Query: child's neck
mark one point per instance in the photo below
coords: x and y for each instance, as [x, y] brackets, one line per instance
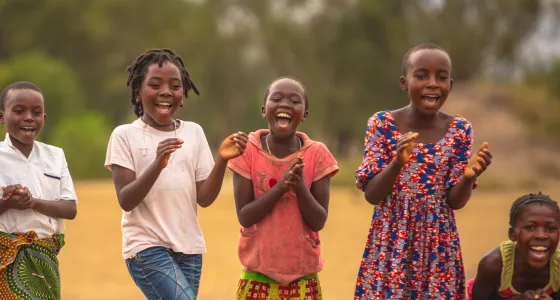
[25, 149]
[282, 146]
[418, 119]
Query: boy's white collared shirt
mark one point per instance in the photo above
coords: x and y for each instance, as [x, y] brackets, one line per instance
[45, 173]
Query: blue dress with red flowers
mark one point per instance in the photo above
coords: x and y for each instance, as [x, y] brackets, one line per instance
[413, 249]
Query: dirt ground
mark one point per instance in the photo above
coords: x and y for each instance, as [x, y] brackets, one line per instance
[92, 267]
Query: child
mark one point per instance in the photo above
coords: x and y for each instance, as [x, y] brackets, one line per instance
[527, 266]
[416, 171]
[38, 194]
[281, 188]
[162, 168]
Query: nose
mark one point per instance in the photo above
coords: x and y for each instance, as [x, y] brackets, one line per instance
[432, 83]
[540, 233]
[28, 117]
[165, 91]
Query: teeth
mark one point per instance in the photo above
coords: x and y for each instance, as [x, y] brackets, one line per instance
[283, 115]
[539, 248]
[164, 104]
[28, 128]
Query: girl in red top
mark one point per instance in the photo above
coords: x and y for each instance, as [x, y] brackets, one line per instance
[282, 189]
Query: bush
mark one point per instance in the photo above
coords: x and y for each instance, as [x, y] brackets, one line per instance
[84, 139]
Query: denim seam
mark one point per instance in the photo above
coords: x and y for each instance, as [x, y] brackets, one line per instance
[150, 282]
[176, 281]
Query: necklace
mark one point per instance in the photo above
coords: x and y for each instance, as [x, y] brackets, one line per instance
[268, 146]
[151, 142]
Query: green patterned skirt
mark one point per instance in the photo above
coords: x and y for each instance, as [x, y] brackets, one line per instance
[29, 266]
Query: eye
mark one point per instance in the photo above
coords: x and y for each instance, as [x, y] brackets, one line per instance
[552, 228]
[18, 111]
[444, 77]
[295, 100]
[155, 86]
[529, 227]
[175, 87]
[37, 113]
[420, 76]
[275, 99]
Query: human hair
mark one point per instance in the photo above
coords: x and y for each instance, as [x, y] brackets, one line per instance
[425, 46]
[305, 97]
[17, 86]
[533, 198]
[137, 72]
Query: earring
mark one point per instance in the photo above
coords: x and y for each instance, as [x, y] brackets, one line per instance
[181, 104]
[137, 100]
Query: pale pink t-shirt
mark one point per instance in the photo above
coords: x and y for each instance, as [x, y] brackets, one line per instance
[168, 215]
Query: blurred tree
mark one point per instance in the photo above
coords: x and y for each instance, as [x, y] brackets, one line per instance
[84, 140]
[62, 93]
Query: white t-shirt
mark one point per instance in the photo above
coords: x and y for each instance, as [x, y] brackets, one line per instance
[45, 173]
[168, 215]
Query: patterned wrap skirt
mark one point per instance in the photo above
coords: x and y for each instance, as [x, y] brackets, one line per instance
[256, 286]
[29, 266]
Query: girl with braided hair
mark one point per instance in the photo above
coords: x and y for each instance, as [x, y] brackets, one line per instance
[162, 168]
[528, 265]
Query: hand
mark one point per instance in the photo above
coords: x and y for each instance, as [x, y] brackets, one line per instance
[20, 199]
[531, 294]
[295, 173]
[405, 146]
[164, 150]
[479, 162]
[233, 146]
[545, 296]
[8, 191]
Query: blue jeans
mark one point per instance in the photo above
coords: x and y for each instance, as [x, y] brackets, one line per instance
[162, 274]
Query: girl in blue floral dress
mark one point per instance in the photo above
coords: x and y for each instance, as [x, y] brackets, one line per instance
[417, 168]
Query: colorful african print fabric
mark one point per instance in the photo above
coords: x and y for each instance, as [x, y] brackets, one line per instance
[413, 249]
[29, 266]
[256, 286]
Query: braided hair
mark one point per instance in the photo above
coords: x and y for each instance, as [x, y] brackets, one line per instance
[17, 86]
[137, 72]
[538, 198]
[426, 46]
[305, 97]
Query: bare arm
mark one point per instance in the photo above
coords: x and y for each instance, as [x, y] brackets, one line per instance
[314, 202]
[208, 190]
[382, 184]
[131, 191]
[60, 209]
[250, 210]
[460, 194]
[488, 275]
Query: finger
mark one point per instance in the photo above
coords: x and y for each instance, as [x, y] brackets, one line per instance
[240, 148]
[487, 152]
[170, 141]
[481, 163]
[242, 136]
[483, 146]
[408, 140]
[487, 160]
[240, 143]
[401, 148]
[477, 170]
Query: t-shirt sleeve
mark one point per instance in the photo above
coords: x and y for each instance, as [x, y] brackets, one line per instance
[242, 164]
[325, 163]
[376, 153]
[67, 191]
[205, 161]
[118, 151]
[461, 155]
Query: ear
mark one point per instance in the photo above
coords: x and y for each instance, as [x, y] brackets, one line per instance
[403, 84]
[136, 94]
[263, 112]
[45, 117]
[305, 116]
[1, 117]
[450, 84]
[511, 234]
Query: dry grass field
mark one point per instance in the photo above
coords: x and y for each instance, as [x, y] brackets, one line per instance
[92, 267]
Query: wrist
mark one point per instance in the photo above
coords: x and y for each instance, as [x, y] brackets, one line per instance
[395, 163]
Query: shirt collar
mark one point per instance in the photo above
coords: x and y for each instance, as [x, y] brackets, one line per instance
[8, 142]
